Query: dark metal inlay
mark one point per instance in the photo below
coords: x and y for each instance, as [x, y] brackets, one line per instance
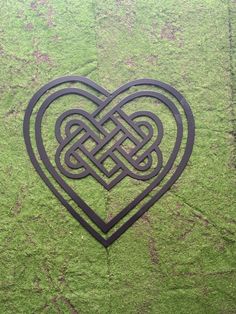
[75, 160]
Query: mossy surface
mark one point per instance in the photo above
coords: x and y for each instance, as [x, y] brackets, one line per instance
[180, 257]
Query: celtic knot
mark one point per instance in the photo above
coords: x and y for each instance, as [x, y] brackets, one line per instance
[110, 148]
[109, 144]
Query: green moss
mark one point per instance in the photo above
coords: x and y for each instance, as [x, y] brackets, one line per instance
[178, 258]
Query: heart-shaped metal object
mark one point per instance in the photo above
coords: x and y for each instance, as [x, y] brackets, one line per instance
[75, 160]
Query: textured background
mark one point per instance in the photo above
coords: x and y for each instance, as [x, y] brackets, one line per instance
[181, 256]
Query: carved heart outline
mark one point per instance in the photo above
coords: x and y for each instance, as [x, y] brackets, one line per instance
[105, 227]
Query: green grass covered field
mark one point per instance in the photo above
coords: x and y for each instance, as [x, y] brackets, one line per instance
[180, 256]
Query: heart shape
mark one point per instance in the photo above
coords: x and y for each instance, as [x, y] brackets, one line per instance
[74, 160]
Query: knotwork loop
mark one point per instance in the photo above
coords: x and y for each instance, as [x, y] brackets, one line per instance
[89, 142]
[88, 147]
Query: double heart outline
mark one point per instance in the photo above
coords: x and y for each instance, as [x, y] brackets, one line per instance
[105, 227]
